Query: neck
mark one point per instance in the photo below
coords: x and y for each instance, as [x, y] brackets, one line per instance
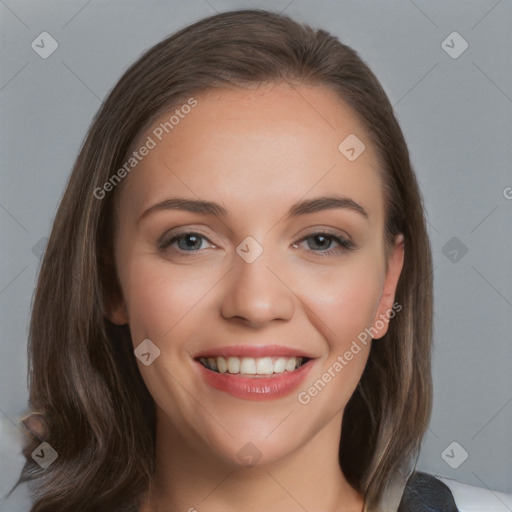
[197, 480]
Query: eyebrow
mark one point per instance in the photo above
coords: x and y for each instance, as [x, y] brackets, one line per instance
[304, 207]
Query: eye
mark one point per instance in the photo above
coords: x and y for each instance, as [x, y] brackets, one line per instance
[322, 243]
[186, 242]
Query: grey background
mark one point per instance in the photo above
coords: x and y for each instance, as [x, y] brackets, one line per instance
[457, 118]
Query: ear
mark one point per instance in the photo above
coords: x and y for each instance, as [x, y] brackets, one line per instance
[386, 301]
[115, 307]
[118, 315]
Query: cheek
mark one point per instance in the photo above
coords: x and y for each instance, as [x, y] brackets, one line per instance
[158, 299]
[343, 301]
[342, 304]
[342, 307]
[165, 304]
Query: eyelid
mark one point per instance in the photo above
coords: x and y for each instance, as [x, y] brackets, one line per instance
[334, 232]
[185, 230]
[344, 241]
[325, 230]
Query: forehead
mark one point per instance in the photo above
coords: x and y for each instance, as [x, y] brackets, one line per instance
[257, 149]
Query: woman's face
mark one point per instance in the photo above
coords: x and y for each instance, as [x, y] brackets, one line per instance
[273, 256]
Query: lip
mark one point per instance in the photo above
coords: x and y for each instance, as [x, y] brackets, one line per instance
[254, 351]
[255, 388]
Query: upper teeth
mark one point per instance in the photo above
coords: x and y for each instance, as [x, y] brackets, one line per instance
[252, 366]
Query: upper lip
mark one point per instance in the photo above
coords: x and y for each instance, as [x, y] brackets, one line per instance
[254, 351]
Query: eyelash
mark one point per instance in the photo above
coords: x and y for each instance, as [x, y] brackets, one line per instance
[345, 244]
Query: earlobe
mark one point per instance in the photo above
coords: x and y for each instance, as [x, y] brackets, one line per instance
[118, 315]
[387, 308]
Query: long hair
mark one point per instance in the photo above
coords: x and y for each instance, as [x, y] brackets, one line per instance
[83, 377]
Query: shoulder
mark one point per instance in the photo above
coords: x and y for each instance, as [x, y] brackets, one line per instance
[426, 493]
[470, 498]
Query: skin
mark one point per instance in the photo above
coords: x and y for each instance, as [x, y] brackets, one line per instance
[256, 153]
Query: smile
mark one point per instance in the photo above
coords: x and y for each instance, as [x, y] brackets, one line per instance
[252, 366]
[254, 372]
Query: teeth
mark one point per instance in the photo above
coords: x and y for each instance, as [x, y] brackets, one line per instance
[252, 366]
[265, 366]
[233, 365]
[222, 365]
[290, 365]
[247, 366]
[280, 365]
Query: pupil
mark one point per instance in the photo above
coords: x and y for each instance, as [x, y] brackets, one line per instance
[191, 241]
[321, 241]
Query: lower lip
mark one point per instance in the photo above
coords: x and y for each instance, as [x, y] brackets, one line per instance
[256, 388]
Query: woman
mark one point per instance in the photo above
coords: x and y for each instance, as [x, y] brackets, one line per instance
[234, 309]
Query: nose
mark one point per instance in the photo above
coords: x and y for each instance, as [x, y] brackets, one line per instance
[256, 293]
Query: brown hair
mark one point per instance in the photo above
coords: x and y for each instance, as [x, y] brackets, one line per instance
[83, 375]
